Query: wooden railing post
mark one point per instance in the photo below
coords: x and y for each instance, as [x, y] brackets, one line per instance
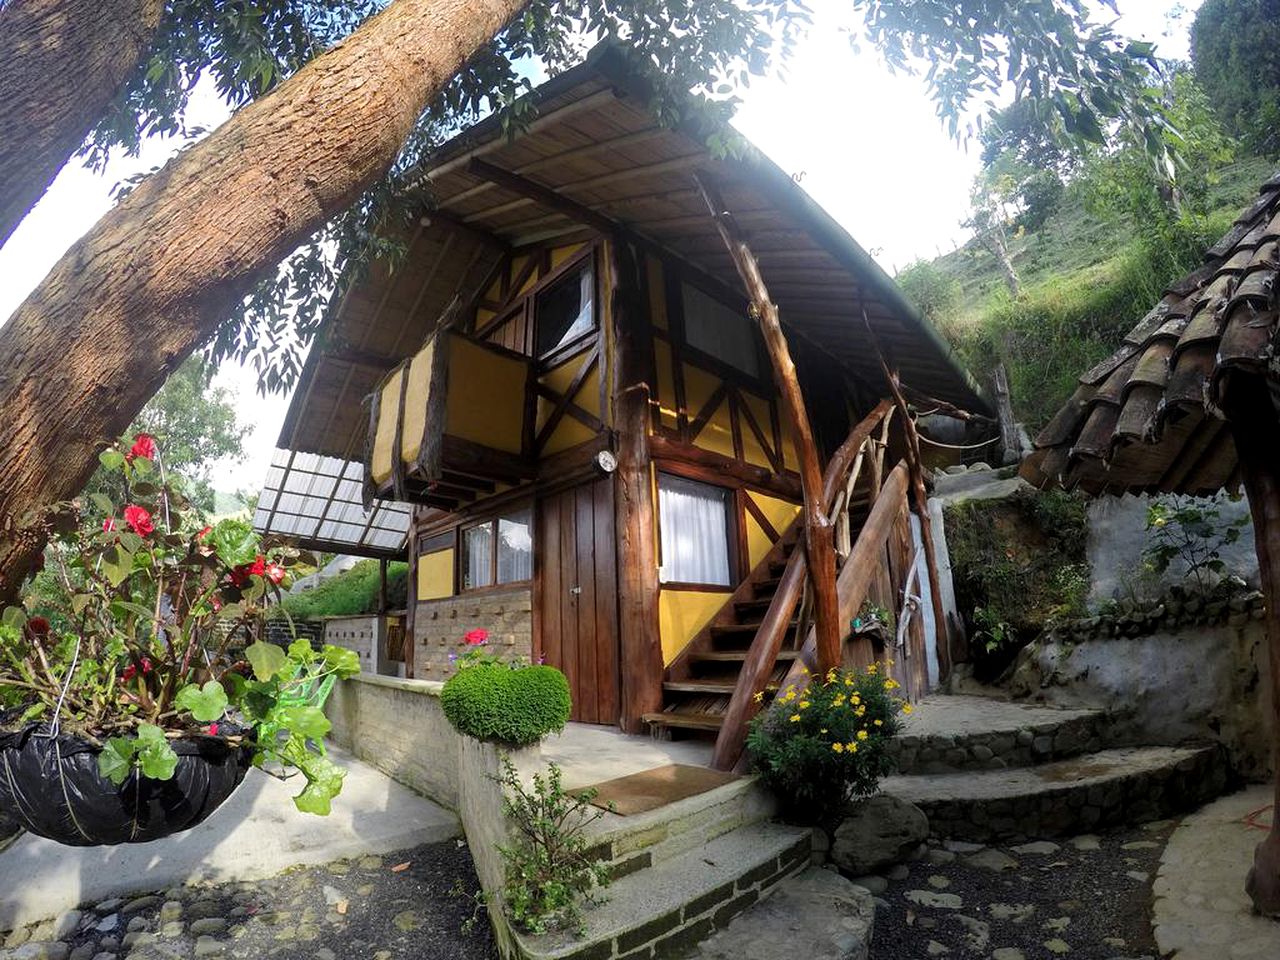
[819, 534]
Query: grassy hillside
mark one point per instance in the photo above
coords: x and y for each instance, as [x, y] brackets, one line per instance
[1085, 284]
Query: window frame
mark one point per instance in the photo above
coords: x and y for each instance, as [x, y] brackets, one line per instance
[492, 521]
[556, 355]
[733, 527]
[677, 276]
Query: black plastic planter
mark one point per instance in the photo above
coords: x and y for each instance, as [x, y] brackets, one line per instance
[52, 787]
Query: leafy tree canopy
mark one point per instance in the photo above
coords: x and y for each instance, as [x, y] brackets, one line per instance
[1235, 47]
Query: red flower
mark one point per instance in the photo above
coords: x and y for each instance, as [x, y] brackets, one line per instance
[476, 637]
[144, 445]
[203, 533]
[138, 519]
[38, 626]
[213, 730]
[146, 665]
[259, 566]
[275, 572]
[109, 525]
[129, 673]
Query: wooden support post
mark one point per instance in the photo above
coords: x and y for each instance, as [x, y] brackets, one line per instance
[1010, 442]
[819, 533]
[1256, 430]
[411, 595]
[382, 587]
[638, 637]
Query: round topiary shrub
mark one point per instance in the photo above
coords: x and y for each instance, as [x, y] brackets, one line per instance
[504, 704]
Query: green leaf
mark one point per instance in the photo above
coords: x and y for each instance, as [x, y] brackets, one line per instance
[111, 459]
[115, 762]
[117, 564]
[79, 602]
[345, 663]
[14, 617]
[307, 721]
[324, 782]
[102, 503]
[156, 758]
[266, 659]
[206, 703]
[234, 541]
[300, 651]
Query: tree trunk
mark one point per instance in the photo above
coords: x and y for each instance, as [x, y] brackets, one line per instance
[993, 239]
[153, 279]
[63, 63]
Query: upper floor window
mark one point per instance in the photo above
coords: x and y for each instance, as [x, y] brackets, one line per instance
[565, 311]
[719, 330]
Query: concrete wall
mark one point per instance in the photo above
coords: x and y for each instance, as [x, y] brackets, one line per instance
[358, 634]
[399, 727]
[440, 627]
[1118, 536]
[1169, 687]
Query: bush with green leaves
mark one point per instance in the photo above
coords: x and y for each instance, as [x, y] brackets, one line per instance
[549, 870]
[820, 746]
[507, 703]
[351, 593]
[1192, 532]
[158, 635]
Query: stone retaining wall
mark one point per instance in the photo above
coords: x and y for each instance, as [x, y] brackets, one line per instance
[399, 727]
[440, 626]
[1040, 743]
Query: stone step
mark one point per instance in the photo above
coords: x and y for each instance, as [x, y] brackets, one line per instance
[947, 734]
[1078, 795]
[672, 906]
[641, 840]
[825, 916]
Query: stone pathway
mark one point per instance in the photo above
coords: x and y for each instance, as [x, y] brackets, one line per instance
[404, 906]
[1086, 898]
[1201, 909]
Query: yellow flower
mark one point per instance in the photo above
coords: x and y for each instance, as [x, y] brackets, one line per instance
[804, 704]
[759, 696]
[855, 699]
[823, 730]
[888, 663]
[831, 674]
[795, 718]
[838, 747]
[838, 701]
[891, 684]
[874, 667]
[851, 747]
[862, 734]
[906, 708]
[848, 681]
[879, 723]
[861, 711]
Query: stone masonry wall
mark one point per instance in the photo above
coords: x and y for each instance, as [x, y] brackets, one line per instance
[399, 727]
[440, 627]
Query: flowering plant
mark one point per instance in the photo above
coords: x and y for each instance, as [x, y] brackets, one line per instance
[155, 632]
[823, 744]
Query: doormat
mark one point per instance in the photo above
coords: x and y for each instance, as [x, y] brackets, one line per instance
[641, 792]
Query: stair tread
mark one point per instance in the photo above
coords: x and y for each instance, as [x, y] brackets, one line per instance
[725, 686]
[732, 655]
[751, 628]
[1101, 767]
[688, 721]
[647, 894]
[954, 715]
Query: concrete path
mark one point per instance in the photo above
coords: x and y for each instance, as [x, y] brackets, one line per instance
[1201, 910]
[255, 835]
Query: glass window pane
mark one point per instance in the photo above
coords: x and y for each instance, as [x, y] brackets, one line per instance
[694, 521]
[515, 547]
[564, 310]
[719, 330]
[477, 545]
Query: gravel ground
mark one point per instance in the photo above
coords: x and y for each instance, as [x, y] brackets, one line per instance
[404, 906]
[1087, 898]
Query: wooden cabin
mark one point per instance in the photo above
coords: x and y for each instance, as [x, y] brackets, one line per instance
[559, 407]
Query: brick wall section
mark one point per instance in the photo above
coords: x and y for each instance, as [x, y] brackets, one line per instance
[440, 625]
[353, 633]
[399, 727]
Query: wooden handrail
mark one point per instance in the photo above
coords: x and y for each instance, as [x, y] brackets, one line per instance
[763, 654]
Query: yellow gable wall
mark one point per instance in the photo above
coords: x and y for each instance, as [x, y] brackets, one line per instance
[779, 513]
[435, 575]
[486, 396]
[681, 614]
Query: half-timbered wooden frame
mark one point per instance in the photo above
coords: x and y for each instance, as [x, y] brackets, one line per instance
[565, 377]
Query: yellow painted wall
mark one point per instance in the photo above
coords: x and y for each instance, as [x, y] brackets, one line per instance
[681, 614]
[435, 575]
[779, 513]
[486, 396]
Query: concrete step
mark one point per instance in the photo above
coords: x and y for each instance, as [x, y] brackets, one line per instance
[947, 734]
[642, 840]
[1078, 795]
[674, 905]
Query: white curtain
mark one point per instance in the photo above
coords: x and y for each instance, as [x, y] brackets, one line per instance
[479, 548]
[695, 536]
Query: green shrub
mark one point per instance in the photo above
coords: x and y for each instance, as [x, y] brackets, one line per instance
[548, 869]
[518, 705]
[820, 747]
[351, 593]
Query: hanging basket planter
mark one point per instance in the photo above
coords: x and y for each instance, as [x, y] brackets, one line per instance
[53, 788]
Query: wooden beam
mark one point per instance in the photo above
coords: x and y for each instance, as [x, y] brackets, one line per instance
[1256, 431]
[786, 485]
[543, 195]
[819, 532]
[639, 639]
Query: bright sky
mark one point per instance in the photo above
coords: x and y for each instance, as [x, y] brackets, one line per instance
[865, 143]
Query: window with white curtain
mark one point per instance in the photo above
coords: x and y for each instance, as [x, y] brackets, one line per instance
[565, 311]
[694, 525]
[498, 551]
[719, 330]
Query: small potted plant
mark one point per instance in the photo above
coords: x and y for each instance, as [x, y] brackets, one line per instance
[134, 704]
[873, 621]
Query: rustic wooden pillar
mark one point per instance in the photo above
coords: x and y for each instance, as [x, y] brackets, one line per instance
[819, 532]
[1010, 441]
[411, 594]
[638, 637]
[1256, 431]
[382, 586]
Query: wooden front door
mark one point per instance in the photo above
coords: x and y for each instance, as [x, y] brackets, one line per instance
[579, 597]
